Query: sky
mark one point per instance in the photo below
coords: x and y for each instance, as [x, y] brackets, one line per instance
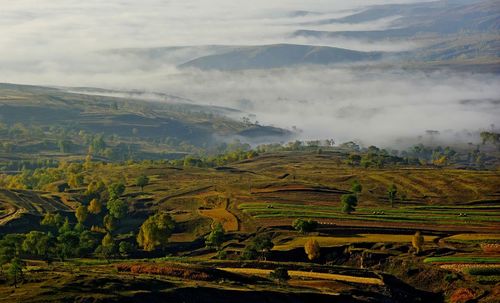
[66, 43]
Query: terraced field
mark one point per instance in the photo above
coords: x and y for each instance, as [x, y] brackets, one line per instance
[19, 202]
[479, 216]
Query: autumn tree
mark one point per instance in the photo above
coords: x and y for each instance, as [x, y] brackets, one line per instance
[95, 206]
[312, 249]
[417, 242]
[392, 193]
[142, 181]
[81, 214]
[349, 203]
[75, 180]
[155, 231]
[216, 237]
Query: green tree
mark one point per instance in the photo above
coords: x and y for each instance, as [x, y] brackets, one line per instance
[155, 231]
[305, 226]
[81, 214]
[258, 247]
[52, 220]
[126, 248]
[109, 223]
[117, 208]
[10, 247]
[15, 271]
[349, 203]
[38, 244]
[115, 190]
[215, 238]
[68, 244]
[107, 249]
[392, 193]
[356, 187]
[142, 181]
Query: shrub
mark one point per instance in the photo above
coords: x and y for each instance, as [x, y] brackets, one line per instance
[484, 271]
[462, 295]
[280, 274]
[305, 226]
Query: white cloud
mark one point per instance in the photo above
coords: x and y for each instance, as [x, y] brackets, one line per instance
[56, 42]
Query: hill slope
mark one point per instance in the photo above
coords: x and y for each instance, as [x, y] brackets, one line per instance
[279, 55]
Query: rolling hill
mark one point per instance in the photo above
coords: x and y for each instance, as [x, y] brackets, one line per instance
[279, 55]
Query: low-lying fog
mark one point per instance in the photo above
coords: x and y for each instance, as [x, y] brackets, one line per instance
[67, 43]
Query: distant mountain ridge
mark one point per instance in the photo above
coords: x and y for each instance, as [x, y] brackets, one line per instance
[440, 17]
[279, 55]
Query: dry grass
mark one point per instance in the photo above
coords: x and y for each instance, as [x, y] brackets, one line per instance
[309, 275]
[223, 216]
[334, 241]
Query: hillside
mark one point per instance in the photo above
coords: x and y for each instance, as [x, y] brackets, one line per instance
[38, 119]
[434, 18]
[279, 55]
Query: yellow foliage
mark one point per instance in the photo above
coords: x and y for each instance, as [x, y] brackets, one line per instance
[312, 249]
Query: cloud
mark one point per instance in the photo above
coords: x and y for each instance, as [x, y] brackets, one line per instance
[61, 43]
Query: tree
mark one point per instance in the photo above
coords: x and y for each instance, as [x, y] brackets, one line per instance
[52, 220]
[115, 190]
[305, 226]
[68, 244]
[15, 271]
[418, 242]
[215, 238]
[312, 249]
[10, 247]
[66, 227]
[155, 231]
[38, 244]
[349, 203]
[142, 181]
[95, 206]
[280, 274]
[81, 214]
[117, 208]
[258, 247]
[126, 248]
[356, 187]
[75, 180]
[392, 193]
[109, 223]
[107, 249]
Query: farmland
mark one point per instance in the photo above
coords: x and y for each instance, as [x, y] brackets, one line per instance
[456, 210]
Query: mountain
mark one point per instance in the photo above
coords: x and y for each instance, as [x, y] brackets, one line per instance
[46, 116]
[279, 55]
[420, 19]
